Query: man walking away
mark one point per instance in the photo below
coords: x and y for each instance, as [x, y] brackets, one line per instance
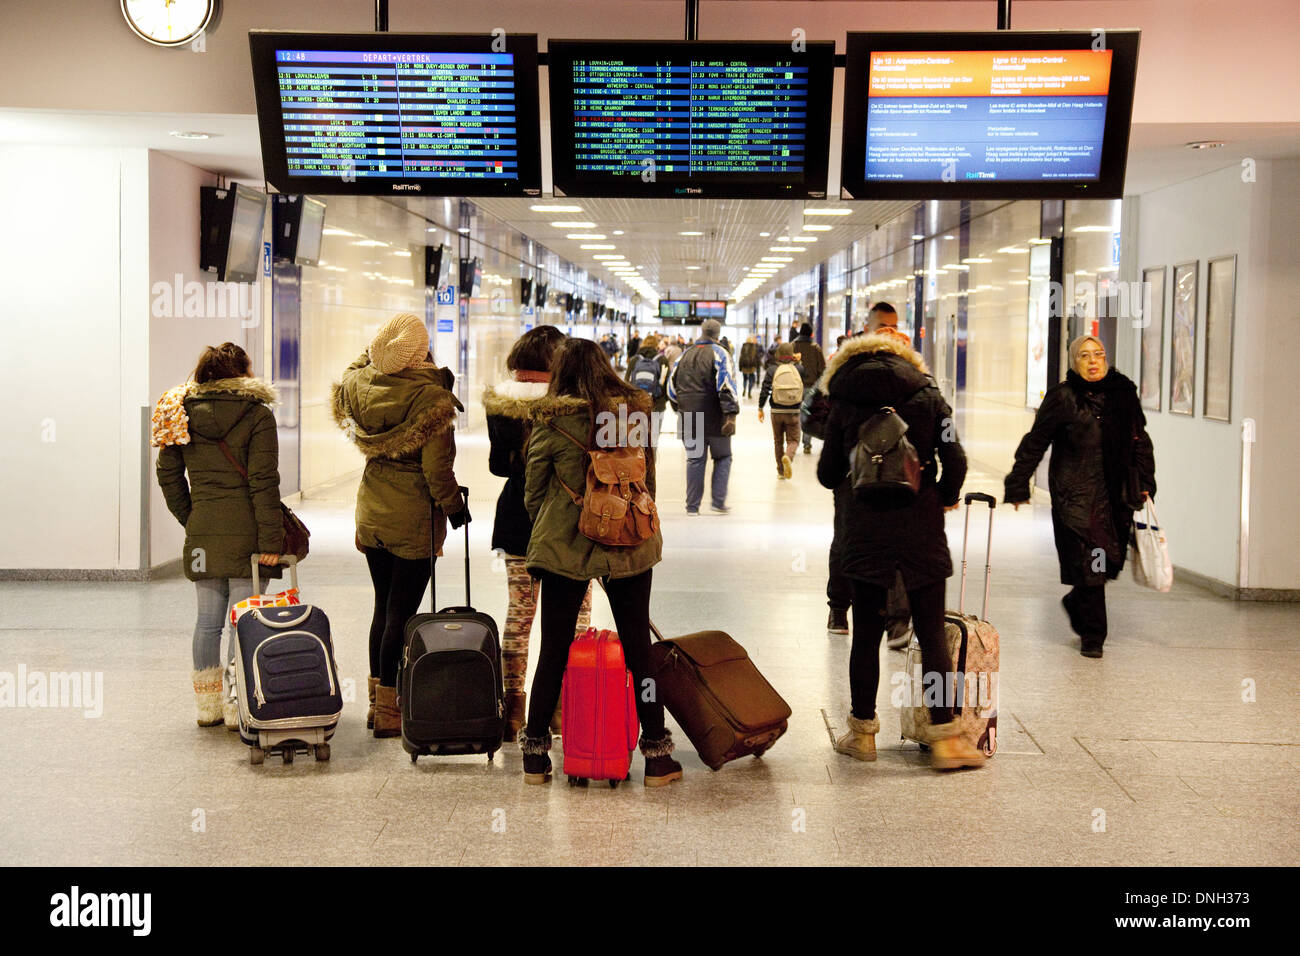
[813, 362]
[702, 387]
[748, 365]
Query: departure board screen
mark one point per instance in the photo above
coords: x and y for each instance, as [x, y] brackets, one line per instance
[1009, 119]
[398, 113]
[674, 308]
[659, 119]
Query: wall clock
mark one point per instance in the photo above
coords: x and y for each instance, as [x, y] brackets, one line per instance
[168, 22]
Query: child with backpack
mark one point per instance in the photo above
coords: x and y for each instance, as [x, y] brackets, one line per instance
[575, 432]
[783, 384]
[650, 374]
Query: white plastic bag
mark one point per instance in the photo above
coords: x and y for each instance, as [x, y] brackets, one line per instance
[1150, 552]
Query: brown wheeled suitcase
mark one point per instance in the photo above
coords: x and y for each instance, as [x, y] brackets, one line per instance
[717, 695]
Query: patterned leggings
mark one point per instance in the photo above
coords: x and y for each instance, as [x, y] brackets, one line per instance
[519, 622]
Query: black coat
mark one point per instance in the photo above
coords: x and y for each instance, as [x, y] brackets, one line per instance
[509, 406]
[811, 359]
[1102, 461]
[868, 373]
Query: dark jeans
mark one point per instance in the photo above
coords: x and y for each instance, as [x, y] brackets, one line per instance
[751, 379]
[807, 439]
[870, 602]
[1086, 605]
[719, 449]
[629, 598]
[399, 586]
[839, 592]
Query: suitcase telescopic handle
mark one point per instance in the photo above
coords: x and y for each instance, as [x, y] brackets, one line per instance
[992, 502]
[288, 559]
[433, 559]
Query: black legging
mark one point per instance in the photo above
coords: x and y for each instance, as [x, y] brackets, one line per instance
[399, 586]
[561, 597]
[869, 605]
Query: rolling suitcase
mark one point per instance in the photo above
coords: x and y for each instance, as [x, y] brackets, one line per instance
[286, 677]
[600, 722]
[974, 649]
[449, 686]
[713, 690]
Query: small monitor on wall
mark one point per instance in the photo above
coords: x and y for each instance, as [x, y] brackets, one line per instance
[662, 118]
[705, 309]
[395, 114]
[539, 295]
[230, 232]
[987, 115]
[299, 224]
[674, 308]
[433, 256]
[471, 277]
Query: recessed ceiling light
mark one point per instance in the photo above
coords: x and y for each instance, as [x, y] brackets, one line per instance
[1012, 250]
[402, 252]
[608, 257]
[917, 236]
[585, 235]
[189, 134]
[371, 242]
[1199, 144]
[803, 238]
[555, 208]
[1092, 229]
[463, 230]
[786, 249]
[777, 259]
[816, 227]
[764, 234]
[691, 268]
[1039, 242]
[976, 260]
[955, 267]
[597, 245]
[331, 231]
[574, 225]
[949, 237]
[837, 211]
[690, 232]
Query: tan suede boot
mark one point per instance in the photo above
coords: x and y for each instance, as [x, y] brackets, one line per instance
[388, 719]
[860, 741]
[949, 750]
[371, 684]
[207, 695]
[516, 713]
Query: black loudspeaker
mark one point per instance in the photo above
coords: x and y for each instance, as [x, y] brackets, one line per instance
[525, 291]
[432, 266]
[539, 295]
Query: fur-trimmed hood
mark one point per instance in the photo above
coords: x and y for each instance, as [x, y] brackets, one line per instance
[513, 399]
[873, 370]
[393, 416]
[252, 389]
[214, 408]
[556, 406]
[874, 342]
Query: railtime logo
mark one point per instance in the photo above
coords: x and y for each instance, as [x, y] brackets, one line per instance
[106, 910]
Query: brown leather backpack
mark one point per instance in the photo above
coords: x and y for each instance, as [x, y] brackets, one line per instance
[617, 510]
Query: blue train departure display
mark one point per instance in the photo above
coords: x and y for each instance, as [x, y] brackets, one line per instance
[689, 119]
[421, 118]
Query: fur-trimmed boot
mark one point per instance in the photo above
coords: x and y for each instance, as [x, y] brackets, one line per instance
[371, 684]
[516, 712]
[949, 750]
[230, 700]
[388, 719]
[207, 695]
[660, 768]
[860, 742]
[537, 759]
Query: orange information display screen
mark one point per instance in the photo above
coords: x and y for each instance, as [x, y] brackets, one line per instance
[972, 115]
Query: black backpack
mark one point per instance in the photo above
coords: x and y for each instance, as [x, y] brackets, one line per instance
[884, 467]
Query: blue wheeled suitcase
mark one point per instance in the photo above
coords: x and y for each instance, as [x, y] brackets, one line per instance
[449, 686]
[287, 679]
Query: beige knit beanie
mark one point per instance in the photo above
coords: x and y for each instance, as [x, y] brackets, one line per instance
[400, 343]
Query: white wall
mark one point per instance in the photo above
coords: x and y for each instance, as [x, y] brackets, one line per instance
[1198, 462]
[174, 339]
[71, 357]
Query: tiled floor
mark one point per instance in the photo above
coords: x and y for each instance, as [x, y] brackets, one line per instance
[1150, 756]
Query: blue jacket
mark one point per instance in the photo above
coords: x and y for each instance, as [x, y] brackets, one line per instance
[702, 380]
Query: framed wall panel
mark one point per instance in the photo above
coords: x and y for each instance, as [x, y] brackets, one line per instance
[1152, 346]
[1182, 346]
[1220, 312]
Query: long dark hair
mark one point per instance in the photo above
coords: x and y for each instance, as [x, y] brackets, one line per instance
[581, 369]
[226, 360]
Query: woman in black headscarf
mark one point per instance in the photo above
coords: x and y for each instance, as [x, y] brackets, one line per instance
[1102, 469]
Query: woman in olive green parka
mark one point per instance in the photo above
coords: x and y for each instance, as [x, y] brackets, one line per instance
[397, 407]
[584, 400]
[227, 518]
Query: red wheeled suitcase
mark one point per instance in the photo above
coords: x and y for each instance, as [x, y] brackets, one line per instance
[600, 722]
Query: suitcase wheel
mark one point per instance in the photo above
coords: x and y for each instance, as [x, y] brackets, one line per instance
[613, 785]
[414, 757]
[578, 781]
[256, 756]
[287, 755]
[758, 753]
[322, 752]
[490, 756]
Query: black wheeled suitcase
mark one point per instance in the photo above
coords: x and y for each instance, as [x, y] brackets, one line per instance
[449, 686]
[287, 678]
